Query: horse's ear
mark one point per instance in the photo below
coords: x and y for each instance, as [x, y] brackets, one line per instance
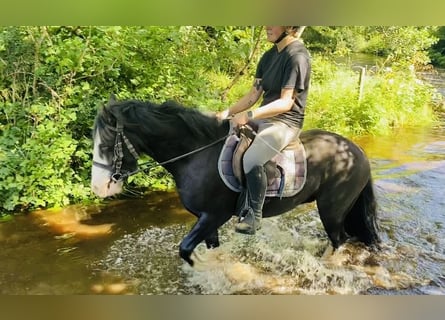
[112, 98]
[105, 110]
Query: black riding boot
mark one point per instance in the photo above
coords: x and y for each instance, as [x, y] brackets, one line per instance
[256, 181]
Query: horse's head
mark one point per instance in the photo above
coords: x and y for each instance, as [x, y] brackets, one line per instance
[126, 128]
[114, 156]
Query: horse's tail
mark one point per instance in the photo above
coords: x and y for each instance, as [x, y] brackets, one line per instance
[361, 222]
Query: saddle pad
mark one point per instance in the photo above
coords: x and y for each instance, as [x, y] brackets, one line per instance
[291, 163]
[225, 168]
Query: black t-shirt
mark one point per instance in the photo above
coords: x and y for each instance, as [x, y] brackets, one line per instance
[289, 68]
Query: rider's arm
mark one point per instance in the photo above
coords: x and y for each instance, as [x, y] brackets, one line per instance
[276, 107]
[281, 105]
[246, 101]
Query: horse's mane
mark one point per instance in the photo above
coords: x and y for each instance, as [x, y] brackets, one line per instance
[165, 121]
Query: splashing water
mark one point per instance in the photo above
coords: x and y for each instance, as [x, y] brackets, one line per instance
[285, 257]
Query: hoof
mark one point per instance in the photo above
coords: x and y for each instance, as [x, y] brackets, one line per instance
[186, 258]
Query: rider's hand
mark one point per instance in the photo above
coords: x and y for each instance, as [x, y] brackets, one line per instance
[222, 114]
[240, 119]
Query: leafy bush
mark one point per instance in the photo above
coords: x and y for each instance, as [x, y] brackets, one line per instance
[391, 98]
[437, 51]
[407, 45]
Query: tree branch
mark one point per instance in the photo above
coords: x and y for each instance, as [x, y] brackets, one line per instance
[241, 72]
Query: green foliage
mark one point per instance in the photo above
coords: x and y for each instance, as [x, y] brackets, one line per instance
[406, 45]
[437, 51]
[402, 46]
[337, 40]
[36, 158]
[53, 79]
[323, 70]
[391, 98]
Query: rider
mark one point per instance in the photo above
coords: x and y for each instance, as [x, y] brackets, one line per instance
[282, 77]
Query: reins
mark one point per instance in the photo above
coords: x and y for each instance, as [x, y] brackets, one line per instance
[173, 159]
[115, 168]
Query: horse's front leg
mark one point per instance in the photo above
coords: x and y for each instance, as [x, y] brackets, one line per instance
[204, 229]
[213, 240]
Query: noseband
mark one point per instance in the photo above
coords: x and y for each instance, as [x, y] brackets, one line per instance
[118, 156]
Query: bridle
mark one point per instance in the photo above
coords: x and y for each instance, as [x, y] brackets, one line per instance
[118, 155]
[117, 175]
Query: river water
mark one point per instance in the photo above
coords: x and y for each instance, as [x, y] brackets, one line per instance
[131, 246]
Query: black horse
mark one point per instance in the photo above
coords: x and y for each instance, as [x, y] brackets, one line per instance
[188, 143]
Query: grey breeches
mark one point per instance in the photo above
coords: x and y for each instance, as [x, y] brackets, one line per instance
[272, 137]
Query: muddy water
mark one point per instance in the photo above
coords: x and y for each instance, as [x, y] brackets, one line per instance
[131, 246]
[59, 251]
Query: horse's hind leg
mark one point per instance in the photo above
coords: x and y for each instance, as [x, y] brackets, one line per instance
[332, 216]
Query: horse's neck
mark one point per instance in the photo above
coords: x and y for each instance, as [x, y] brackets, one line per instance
[180, 142]
[174, 147]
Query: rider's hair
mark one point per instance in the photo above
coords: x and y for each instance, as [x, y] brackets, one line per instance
[295, 31]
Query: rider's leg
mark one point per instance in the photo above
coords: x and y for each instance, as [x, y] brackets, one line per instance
[270, 140]
[256, 181]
